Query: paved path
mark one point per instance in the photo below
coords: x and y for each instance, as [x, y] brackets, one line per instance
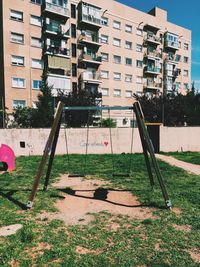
[189, 167]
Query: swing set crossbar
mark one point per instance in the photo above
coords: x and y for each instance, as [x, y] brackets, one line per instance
[99, 108]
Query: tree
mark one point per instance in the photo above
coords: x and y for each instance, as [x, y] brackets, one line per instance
[24, 117]
[108, 123]
[44, 115]
[83, 98]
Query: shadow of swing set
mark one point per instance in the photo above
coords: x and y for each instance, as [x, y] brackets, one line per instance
[148, 150]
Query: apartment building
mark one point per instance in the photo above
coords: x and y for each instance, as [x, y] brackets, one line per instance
[90, 45]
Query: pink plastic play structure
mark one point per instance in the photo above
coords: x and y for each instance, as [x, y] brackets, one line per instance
[7, 156]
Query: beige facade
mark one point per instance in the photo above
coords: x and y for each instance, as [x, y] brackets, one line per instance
[94, 45]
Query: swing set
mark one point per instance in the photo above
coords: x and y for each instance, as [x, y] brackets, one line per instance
[148, 150]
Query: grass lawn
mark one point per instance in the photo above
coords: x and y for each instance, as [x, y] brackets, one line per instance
[151, 242]
[191, 157]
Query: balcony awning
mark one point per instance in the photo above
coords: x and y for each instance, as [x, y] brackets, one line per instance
[152, 27]
[58, 62]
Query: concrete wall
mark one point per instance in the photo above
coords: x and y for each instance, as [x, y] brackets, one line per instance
[171, 139]
[179, 139]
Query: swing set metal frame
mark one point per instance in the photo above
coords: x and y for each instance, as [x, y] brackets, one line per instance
[148, 150]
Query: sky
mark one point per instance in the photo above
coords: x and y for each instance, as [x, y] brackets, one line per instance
[185, 13]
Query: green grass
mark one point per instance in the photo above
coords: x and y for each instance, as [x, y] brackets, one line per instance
[52, 243]
[191, 157]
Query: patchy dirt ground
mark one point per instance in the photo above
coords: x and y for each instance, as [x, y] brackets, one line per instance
[10, 229]
[82, 197]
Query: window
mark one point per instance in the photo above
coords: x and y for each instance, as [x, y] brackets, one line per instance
[73, 11]
[18, 82]
[74, 50]
[37, 42]
[37, 63]
[117, 92]
[117, 76]
[74, 70]
[17, 38]
[16, 15]
[128, 61]
[104, 39]
[186, 46]
[19, 103]
[117, 59]
[128, 78]
[128, 28]
[128, 45]
[73, 30]
[128, 93]
[104, 74]
[185, 59]
[185, 73]
[116, 24]
[35, 20]
[139, 32]
[39, 2]
[139, 63]
[104, 91]
[104, 21]
[138, 48]
[17, 60]
[116, 42]
[138, 79]
[36, 84]
[178, 58]
[104, 57]
[185, 86]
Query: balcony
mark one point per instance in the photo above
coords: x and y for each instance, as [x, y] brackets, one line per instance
[171, 58]
[91, 40]
[90, 77]
[58, 51]
[59, 63]
[57, 31]
[152, 85]
[56, 10]
[89, 15]
[152, 38]
[152, 70]
[60, 84]
[153, 55]
[172, 73]
[92, 59]
[172, 45]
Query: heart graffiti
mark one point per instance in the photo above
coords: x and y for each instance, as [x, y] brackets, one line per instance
[106, 143]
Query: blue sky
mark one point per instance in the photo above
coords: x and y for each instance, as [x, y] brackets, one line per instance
[185, 13]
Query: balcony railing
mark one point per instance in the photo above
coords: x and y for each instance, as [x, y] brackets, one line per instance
[152, 69]
[93, 76]
[61, 10]
[94, 58]
[58, 51]
[173, 73]
[57, 29]
[152, 38]
[152, 85]
[94, 38]
[155, 54]
[171, 57]
[91, 19]
[171, 44]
